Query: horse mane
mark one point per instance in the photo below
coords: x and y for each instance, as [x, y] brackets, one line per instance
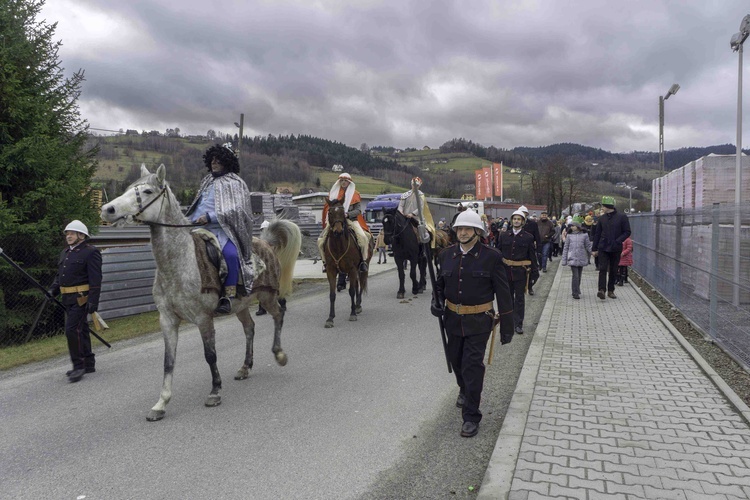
[151, 179]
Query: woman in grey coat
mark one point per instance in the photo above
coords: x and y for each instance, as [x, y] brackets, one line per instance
[576, 253]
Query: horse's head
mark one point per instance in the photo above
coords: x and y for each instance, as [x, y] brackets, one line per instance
[390, 224]
[139, 201]
[336, 216]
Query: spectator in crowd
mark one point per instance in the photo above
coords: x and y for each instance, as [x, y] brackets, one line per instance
[556, 239]
[576, 254]
[626, 260]
[610, 232]
[381, 247]
[546, 232]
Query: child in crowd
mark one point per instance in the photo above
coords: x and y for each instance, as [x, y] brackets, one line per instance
[576, 253]
[381, 247]
[626, 260]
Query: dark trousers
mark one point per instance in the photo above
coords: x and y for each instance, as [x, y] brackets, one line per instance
[608, 264]
[576, 281]
[79, 337]
[466, 355]
[517, 291]
[622, 271]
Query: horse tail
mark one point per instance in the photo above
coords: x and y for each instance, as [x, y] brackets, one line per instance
[285, 238]
[363, 282]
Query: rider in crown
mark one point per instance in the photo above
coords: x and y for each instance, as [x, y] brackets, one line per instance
[223, 205]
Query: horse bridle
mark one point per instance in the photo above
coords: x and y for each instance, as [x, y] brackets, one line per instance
[346, 231]
[142, 208]
[395, 234]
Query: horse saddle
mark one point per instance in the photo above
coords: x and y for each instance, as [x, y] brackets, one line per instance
[210, 260]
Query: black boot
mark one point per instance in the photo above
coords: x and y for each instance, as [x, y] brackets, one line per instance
[225, 306]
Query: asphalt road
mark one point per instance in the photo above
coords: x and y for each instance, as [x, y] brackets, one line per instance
[363, 410]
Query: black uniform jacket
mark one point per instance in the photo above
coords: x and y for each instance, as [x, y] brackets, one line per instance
[80, 266]
[532, 228]
[518, 247]
[474, 279]
[610, 232]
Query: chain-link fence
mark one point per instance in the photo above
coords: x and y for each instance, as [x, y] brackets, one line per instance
[25, 312]
[698, 261]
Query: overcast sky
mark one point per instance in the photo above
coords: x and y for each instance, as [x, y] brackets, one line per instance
[411, 73]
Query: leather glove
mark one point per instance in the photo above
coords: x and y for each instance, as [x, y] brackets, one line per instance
[437, 307]
[352, 216]
[91, 308]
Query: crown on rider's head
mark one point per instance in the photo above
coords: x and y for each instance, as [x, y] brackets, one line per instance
[228, 145]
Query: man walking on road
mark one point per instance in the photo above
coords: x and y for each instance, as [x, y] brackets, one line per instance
[610, 232]
[519, 262]
[471, 278]
[546, 232]
[79, 280]
[531, 227]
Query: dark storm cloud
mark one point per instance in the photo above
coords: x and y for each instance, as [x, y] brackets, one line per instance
[411, 73]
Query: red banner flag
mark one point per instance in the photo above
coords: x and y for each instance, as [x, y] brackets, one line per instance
[498, 171]
[487, 182]
[479, 184]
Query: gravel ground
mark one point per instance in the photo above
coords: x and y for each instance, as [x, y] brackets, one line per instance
[728, 369]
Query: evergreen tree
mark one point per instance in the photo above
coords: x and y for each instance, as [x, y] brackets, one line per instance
[45, 167]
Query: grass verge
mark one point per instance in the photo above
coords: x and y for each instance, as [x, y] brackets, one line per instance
[43, 349]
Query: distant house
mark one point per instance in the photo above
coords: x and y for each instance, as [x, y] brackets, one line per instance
[337, 168]
[426, 148]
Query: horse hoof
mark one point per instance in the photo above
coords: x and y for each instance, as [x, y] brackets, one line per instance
[213, 400]
[242, 374]
[358, 310]
[400, 295]
[281, 358]
[155, 415]
[353, 317]
[329, 324]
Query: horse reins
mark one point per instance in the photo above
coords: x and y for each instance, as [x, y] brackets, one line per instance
[142, 208]
[347, 232]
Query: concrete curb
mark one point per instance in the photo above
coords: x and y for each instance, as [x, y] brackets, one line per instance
[719, 382]
[502, 465]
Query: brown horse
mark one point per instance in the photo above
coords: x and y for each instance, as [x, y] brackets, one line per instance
[442, 241]
[342, 255]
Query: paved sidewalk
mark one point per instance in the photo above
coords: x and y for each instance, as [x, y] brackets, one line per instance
[613, 403]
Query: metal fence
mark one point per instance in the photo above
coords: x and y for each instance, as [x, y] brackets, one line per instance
[696, 260]
[128, 271]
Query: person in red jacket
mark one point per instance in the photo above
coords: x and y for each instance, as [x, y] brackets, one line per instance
[626, 260]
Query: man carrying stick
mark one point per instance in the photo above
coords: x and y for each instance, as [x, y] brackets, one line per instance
[471, 278]
[79, 280]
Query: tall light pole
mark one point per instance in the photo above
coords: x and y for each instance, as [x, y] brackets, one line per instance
[631, 188]
[738, 39]
[672, 91]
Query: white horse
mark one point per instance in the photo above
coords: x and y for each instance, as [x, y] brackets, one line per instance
[177, 285]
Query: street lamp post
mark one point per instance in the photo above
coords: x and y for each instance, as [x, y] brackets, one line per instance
[630, 189]
[672, 91]
[738, 39]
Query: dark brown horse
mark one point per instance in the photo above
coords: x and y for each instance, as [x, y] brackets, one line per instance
[400, 234]
[442, 241]
[342, 254]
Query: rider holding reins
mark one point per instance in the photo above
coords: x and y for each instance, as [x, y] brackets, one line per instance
[345, 192]
[223, 205]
